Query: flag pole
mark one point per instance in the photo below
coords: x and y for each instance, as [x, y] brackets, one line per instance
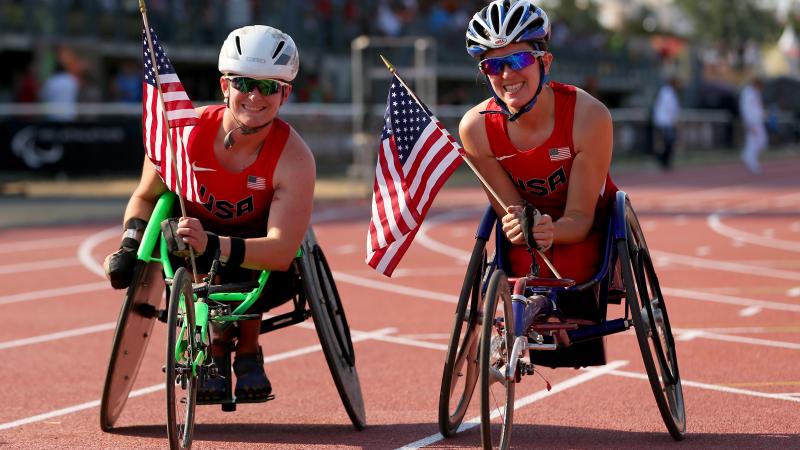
[181, 201]
[469, 163]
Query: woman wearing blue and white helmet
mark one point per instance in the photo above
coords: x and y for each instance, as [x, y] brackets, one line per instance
[544, 143]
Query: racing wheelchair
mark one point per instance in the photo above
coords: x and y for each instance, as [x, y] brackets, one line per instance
[192, 308]
[505, 326]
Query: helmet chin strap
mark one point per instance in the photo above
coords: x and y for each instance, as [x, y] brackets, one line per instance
[504, 108]
[229, 141]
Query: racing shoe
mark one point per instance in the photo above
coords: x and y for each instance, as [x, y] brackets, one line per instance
[252, 384]
[213, 389]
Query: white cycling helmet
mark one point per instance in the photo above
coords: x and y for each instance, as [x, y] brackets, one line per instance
[503, 22]
[259, 51]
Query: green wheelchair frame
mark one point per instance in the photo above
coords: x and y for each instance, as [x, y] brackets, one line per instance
[188, 338]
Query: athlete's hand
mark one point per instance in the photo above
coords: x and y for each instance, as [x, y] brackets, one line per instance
[192, 232]
[512, 224]
[542, 230]
[119, 267]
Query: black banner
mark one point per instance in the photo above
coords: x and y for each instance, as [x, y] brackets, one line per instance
[85, 147]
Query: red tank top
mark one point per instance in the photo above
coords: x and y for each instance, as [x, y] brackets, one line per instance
[542, 173]
[235, 204]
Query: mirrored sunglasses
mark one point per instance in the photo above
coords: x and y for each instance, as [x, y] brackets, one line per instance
[515, 61]
[246, 85]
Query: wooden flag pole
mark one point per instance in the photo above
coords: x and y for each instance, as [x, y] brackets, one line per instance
[469, 163]
[181, 201]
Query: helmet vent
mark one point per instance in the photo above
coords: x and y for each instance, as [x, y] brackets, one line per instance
[238, 45]
[513, 21]
[278, 49]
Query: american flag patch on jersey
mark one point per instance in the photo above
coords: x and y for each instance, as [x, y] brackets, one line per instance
[557, 154]
[256, 183]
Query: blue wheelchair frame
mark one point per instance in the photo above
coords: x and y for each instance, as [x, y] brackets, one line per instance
[545, 318]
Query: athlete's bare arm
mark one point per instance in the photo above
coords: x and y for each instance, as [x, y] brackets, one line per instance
[472, 131]
[146, 194]
[592, 134]
[290, 211]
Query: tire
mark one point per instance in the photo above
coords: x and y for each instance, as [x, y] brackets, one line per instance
[651, 321]
[134, 327]
[182, 349]
[332, 328]
[460, 374]
[497, 339]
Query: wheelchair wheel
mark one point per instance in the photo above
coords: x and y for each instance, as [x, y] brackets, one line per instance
[653, 331]
[181, 381]
[461, 363]
[332, 328]
[497, 340]
[134, 326]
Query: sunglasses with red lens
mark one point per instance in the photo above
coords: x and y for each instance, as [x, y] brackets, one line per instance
[514, 61]
[246, 85]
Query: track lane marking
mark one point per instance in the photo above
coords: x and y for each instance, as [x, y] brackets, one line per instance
[588, 375]
[59, 335]
[38, 244]
[362, 336]
[713, 387]
[38, 265]
[55, 292]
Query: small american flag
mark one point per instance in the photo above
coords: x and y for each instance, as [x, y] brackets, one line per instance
[416, 156]
[256, 183]
[560, 153]
[181, 118]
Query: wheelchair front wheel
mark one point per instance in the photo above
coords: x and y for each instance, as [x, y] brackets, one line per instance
[332, 328]
[460, 374]
[653, 330]
[497, 340]
[181, 380]
[134, 327]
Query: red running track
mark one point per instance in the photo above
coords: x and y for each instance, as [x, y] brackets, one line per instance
[727, 249]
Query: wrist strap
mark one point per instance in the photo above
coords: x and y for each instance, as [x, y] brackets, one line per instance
[238, 250]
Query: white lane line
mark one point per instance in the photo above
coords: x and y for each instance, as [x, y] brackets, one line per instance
[738, 339]
[55, 292]
[588, 375]
[44, 264]
[86, 247]
[393, 288]
[59, 335]
[750, 311]
[363, 336]
[726, 266]
[729, 299]
[713, 387]
[715, 223]
[793, 292]
[38, 244]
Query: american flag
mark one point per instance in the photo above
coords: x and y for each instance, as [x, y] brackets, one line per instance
[181, 118]
[256, 183]
[560, 153]
[416, 156]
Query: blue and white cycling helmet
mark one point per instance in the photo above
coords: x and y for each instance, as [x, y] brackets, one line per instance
[503, 22]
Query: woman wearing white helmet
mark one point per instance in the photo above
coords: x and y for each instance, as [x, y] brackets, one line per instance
[256, 178]
[538, 142]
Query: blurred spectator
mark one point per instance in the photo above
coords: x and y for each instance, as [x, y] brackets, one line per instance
[26, 87]
[751, 109]
[666, 112]
[127, 84]
[60, 94]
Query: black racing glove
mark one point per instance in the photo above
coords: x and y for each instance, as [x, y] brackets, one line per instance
[122, 263]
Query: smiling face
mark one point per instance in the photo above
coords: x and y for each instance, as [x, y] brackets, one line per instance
[253, 108]
[516, 87]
